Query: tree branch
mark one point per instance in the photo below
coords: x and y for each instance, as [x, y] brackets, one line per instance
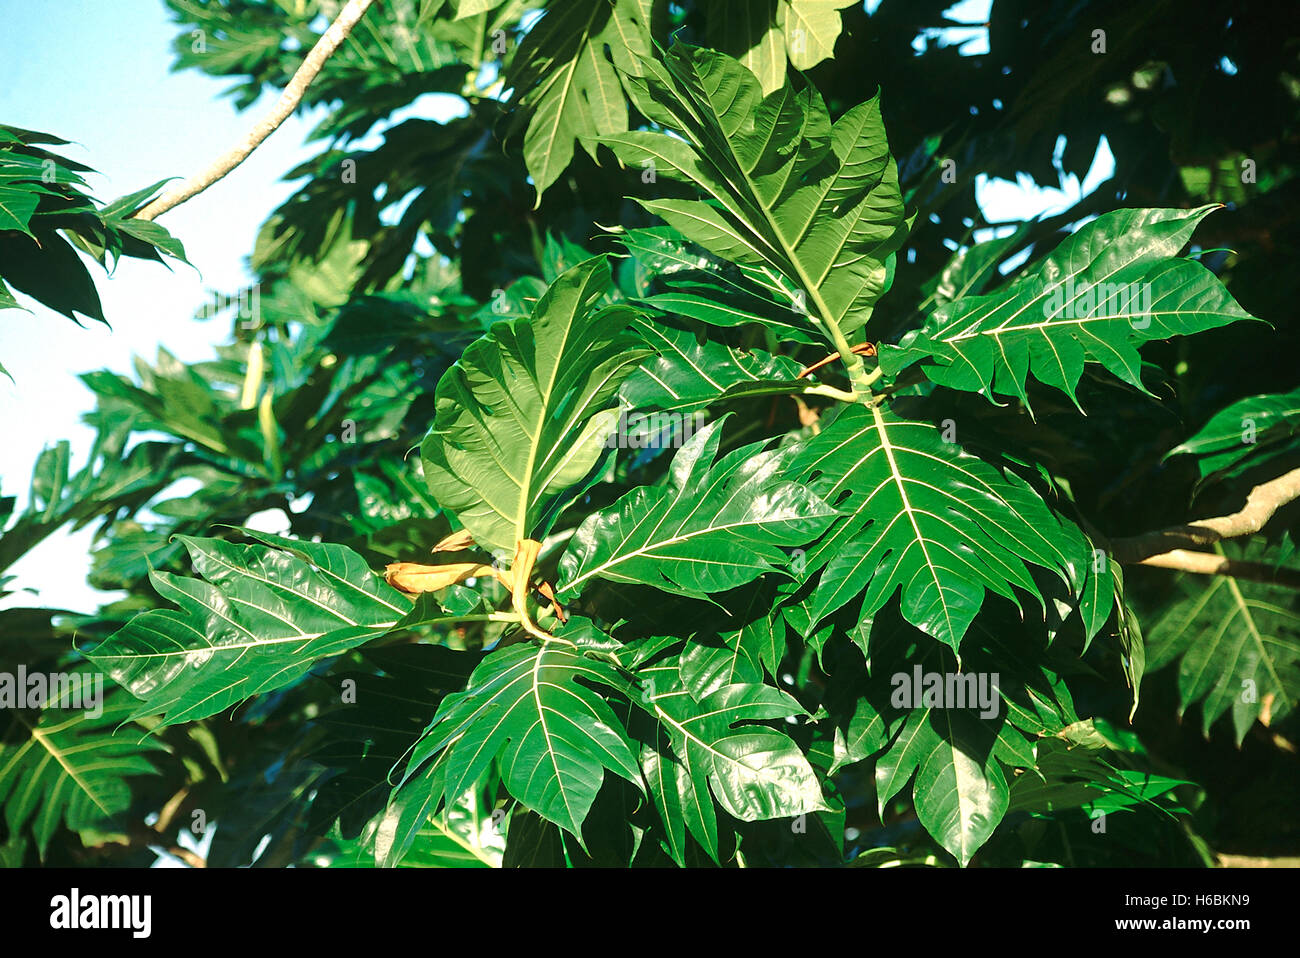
[329, 42]
[1175, 547]
[1211, 563]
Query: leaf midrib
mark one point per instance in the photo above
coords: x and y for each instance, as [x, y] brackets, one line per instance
[58, 756]
[888, 449]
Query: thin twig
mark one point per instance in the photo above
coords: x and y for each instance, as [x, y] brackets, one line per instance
[862, 349]
[329, 42]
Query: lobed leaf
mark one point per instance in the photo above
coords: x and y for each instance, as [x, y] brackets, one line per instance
[552, 735]
[929, 519]
[713, 527]
[261, 619]
[817, 202]
[523, 415]
[1104, 291]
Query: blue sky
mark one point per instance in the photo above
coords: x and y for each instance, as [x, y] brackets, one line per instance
[98, 73]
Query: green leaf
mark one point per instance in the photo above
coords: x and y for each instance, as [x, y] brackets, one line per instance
[1237, 644]
[691, 372]
[7, 300]
[930, 519]
[1132, 646]
[971, 269]
[763, 34]
[463, 835]
[68, 766]
[1245, 434]
[537, 712]
[45, 218]
[956, 754]
[470, 8]
[154, 235]
[811, 28]
[260, 621]
[568, 86]
[922, 712]
[868, 732]
[713, 527]
[523, 416]
[1099, 594]
[124, 206]
[961, 793]
[17, 204]
[736, 649]
[1074, 771]
[50, 272]
[694, 283]
[789, 191]
[1104, 291]
[754, 772]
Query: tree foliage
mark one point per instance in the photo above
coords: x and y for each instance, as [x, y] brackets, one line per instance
[770, 507]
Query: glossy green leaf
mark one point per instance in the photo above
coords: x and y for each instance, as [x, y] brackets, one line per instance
[1245, 434]
[466, 834]
[541, 715]
[683, 279]
[788, 190]
[1104, 291]
[524, 415]
[261, 619]
[714, 526]
[930, 519]
[752, 771]
[961, 794]
[689, 372]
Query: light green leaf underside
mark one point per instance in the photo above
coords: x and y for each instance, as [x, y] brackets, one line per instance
[569, 87]
[523, 415]
[765, 34]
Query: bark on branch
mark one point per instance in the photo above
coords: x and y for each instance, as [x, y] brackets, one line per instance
[1177, 547]
[329, 42]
